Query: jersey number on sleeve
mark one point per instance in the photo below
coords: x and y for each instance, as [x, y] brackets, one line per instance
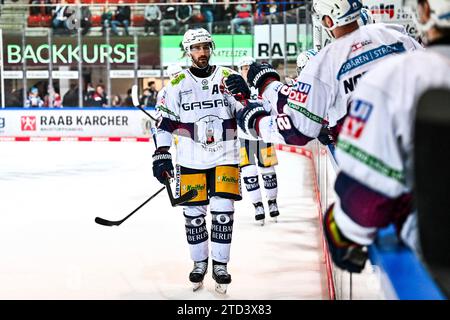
[283, 122]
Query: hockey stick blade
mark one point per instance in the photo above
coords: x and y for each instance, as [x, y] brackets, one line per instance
[107, 223]
[110, 223]
[191, 194]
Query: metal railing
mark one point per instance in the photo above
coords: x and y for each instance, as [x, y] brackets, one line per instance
[41, 48]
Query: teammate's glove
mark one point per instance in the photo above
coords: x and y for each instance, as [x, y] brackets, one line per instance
[238, 87]
[260, 73]
[346, 254]
[162, 165]
[248, 117]
[326, 136]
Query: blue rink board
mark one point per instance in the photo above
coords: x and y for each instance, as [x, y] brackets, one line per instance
[406, 273]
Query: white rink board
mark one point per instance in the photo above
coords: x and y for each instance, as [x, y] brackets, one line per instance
[52, 249]
[69, 122]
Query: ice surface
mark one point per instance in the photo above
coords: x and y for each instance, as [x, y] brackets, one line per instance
[51, 248]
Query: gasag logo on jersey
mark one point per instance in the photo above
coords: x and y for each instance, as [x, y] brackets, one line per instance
[357, 118]
[28, 123]
[207, 104]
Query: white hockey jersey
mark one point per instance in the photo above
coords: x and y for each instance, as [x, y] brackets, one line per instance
[375, 148]
[203, 116]
[321, 94]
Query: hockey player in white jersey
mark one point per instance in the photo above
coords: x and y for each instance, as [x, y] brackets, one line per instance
[375, 186]
[202, 114]
[321, 94]
[256, 153]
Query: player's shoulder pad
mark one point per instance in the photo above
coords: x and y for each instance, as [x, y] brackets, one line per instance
[175, 81]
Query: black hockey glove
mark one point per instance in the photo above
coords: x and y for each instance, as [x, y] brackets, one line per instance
[162, 165]
[326, 136]
[345, 253]
[238, 87]
[248, 116]
[259, 73]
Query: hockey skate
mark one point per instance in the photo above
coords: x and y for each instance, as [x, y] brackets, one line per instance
[273, 209]
[222, 278]
[197, 274]
[259, 213]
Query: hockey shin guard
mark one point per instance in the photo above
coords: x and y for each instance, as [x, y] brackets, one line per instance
[251, 181]
[196, 232]
[271, 185]
[222, 212]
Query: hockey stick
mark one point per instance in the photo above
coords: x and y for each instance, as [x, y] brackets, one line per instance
[109, 223]
[136, 103]
[191, 194]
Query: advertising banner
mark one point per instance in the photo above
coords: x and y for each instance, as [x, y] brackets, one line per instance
[296, 41]
[67, 51]
[72, 122]
[392, 11]
[229, 49]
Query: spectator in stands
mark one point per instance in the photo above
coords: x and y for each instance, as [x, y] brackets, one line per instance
[86, 20]
[197, 18]
[153, 93]
[52, 99]
[87, 95]
[35, 10]
[128, 102]
[169, 22]
[99, 98]
[183, 15]
[14, 99]
[33, 99]
[107, 17]
[152, 15]
[70, 99]
[243, 17]
[60, 16]
[116, 101]
[223, 15]
[40, 10]
[267, 8]
[122, 17]
[146, 99]
[207, 12]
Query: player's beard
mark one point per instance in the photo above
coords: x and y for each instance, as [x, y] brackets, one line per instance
[202, 62]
